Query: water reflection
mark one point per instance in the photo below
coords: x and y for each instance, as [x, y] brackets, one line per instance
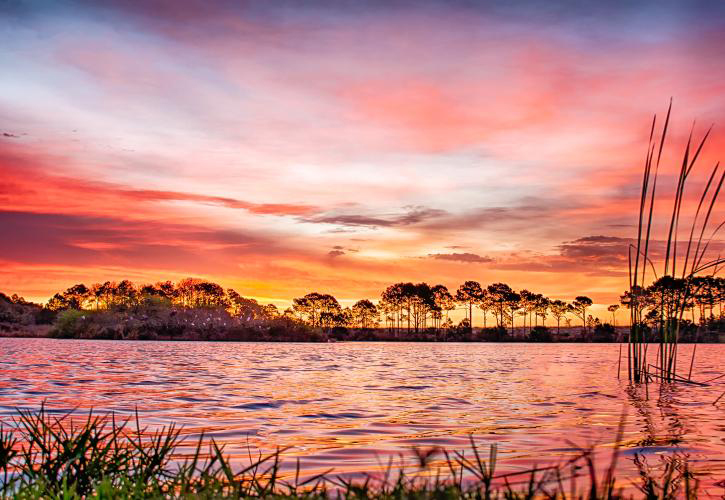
[352, 406]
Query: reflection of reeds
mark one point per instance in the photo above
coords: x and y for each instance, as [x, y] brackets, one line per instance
[42, 456]
[675, 292]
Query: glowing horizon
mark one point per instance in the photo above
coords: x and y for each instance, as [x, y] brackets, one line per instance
[279, 149]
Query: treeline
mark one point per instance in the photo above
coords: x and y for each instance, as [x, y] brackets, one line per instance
[402, 306]
[195, 308]
[189, 293]
[15, 310]
[699, 297]
[417, 307]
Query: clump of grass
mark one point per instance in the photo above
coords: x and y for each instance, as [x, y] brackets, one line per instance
[47, 456]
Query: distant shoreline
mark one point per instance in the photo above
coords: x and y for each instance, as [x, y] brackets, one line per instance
[381, 336]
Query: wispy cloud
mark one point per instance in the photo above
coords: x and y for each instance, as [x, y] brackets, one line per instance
[24, 173]
[414, 215]
[462, 257]
[597, 250]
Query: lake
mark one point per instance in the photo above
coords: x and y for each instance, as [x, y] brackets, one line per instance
[351, 406]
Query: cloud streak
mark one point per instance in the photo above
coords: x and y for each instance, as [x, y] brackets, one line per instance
[414, 215]
[462, 257]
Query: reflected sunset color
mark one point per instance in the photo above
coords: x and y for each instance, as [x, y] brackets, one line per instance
[352, 406]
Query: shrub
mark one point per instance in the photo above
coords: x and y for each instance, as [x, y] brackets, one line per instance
[338, 333]
[604, 332]
[540, 334]
[44, 316]
[18, 312]
[495, 334]
[68, 324]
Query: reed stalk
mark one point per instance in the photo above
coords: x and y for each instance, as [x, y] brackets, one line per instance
[675, 293]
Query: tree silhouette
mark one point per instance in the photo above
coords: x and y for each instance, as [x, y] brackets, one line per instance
[270, 311]
[244, 308]
[392, 301]
[108, 293]
[579, 308]
[499, 294]
[558, 309]
[485, 304]
[96, 294]
[332, 314]
[444, 301]
[613, 309]
[57, 303]
[513, 304]
[163, 290]
[528, 305]
[317, 308]
[126, 293]
[422, 303]
[365, 314]
[186, 289]
[541, 308]
[469, 293]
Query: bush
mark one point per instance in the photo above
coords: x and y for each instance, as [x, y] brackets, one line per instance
[495, 334]
[44, 316]
[540, 334]
[338, 333]
[68, 324]
[18, 312]
[604, 332]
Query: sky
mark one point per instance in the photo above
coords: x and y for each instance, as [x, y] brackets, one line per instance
[286, 147]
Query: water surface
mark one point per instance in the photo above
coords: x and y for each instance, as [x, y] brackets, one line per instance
[350, 406]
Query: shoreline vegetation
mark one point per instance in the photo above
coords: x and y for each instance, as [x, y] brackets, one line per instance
[48, 455]
[195, 309]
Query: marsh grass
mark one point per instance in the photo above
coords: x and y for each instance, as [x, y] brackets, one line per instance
[47, 456]
[676, 292]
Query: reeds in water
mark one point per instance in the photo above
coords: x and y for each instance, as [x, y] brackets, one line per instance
[675, 293]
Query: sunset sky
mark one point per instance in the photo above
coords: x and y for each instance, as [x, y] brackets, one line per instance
[339, 147]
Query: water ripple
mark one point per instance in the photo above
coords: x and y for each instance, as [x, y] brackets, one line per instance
[349, 405]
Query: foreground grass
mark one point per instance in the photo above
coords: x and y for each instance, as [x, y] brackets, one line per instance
[46, 456]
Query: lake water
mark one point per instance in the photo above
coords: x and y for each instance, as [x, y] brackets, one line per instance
[351, 406]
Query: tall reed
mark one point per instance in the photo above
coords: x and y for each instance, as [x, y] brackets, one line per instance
[676, 293]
